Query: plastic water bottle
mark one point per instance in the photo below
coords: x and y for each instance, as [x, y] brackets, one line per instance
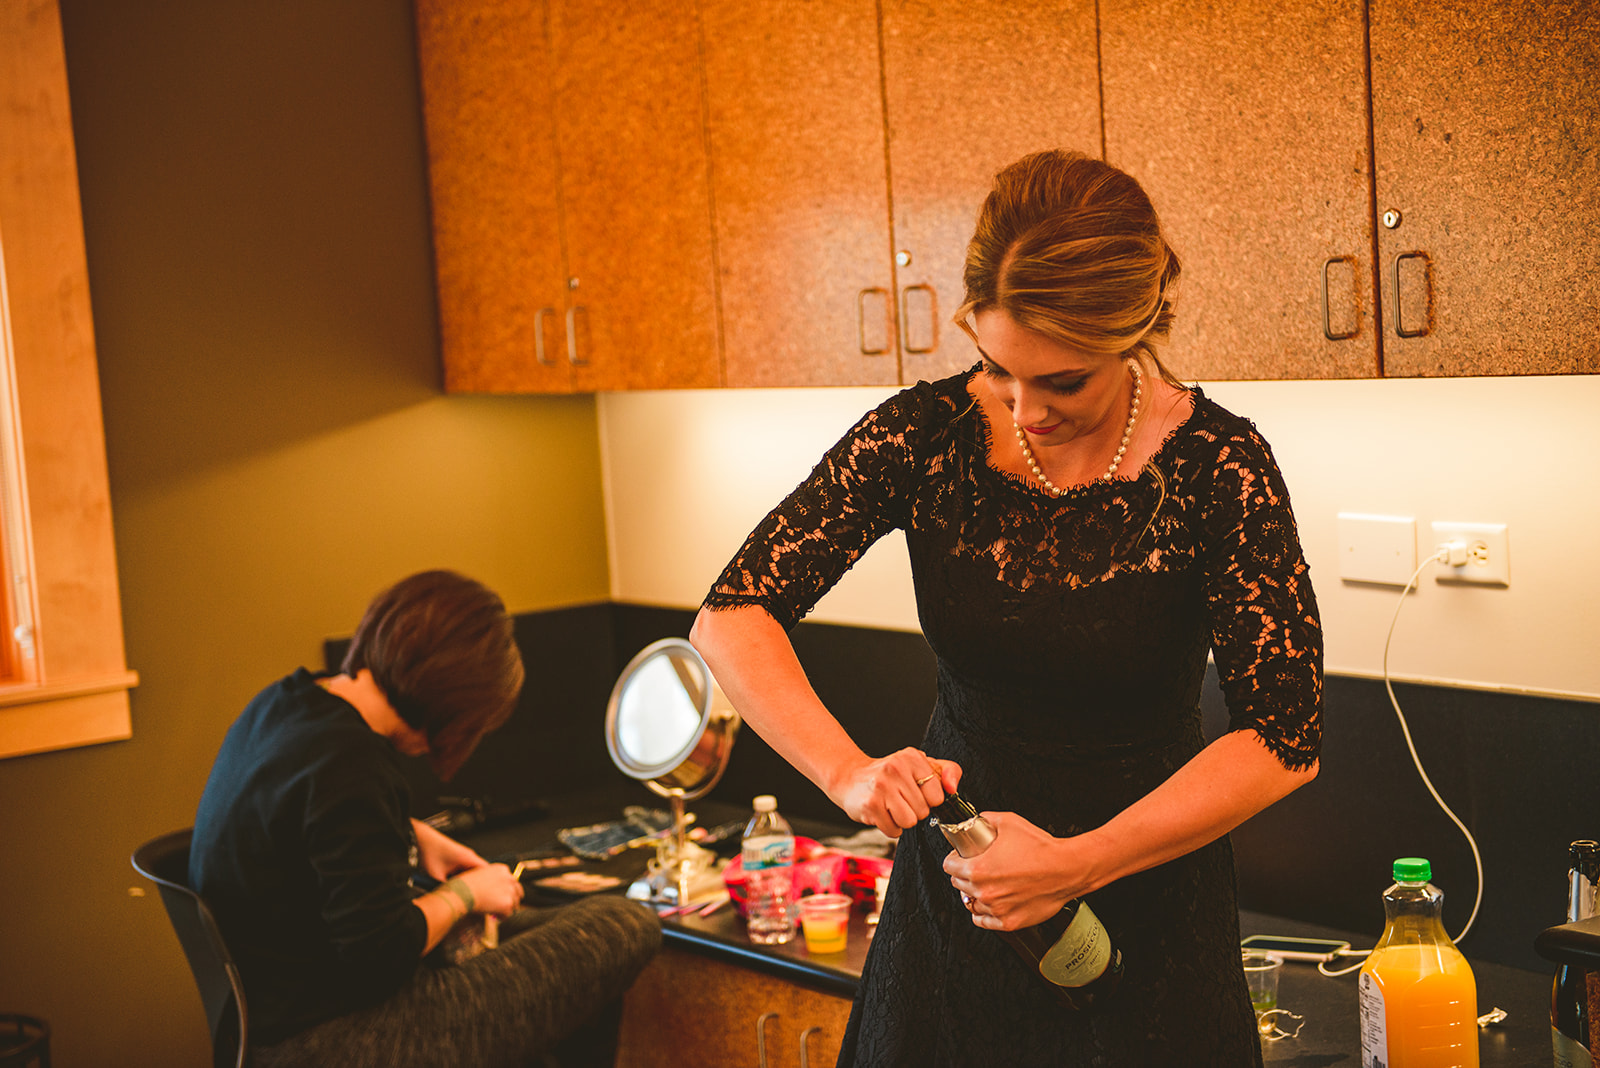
[768, 863]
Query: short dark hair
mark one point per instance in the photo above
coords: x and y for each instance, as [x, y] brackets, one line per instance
[440, 647]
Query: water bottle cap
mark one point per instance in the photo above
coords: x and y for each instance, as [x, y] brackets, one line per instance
[766, 803]
[1412, 870]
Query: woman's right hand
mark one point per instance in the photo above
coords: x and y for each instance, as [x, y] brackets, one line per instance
[494, 889]
[894, 792]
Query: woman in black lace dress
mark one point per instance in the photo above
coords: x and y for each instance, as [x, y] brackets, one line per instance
[1082, 530]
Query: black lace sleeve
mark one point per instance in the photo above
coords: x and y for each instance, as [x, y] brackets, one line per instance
[1265, 632]
[853, 497]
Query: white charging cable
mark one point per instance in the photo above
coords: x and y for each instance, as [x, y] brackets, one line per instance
[1452, 554]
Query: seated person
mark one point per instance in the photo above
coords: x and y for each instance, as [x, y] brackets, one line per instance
[305, 850]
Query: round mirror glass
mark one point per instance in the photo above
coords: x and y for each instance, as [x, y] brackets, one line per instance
[659, 715]
[668, 722]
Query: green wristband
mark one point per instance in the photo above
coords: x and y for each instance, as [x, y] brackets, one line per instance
[458, 886]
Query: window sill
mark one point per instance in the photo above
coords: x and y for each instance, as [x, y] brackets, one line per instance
[37, 719]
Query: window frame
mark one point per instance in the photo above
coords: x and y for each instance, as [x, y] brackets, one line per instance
[76, 691]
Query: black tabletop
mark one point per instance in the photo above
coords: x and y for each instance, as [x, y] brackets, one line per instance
[1329, 1035]
[1331, 1031]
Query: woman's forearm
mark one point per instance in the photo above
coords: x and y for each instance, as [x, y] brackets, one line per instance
[751, 657]
[755, 665]
[1027, 874]
[1226, 783]
[441, 908]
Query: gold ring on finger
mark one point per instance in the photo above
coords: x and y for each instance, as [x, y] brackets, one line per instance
[928, 777]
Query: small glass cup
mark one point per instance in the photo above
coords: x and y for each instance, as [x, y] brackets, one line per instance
[1261, 972]
[825, 919]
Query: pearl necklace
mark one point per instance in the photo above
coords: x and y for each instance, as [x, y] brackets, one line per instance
[1122, 448]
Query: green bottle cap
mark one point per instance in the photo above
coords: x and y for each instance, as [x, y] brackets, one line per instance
[1412, 870]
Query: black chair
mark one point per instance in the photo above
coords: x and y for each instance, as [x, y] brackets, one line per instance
[28, 1042]
[165, 862]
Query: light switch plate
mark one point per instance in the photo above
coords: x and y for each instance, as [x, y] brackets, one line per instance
[1377, 548]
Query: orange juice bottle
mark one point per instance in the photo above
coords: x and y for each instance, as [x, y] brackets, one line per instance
[1419, 1005]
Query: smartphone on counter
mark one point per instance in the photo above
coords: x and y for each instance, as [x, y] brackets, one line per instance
[1290, 948]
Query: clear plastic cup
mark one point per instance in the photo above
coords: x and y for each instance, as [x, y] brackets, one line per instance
[825, 919]
[1261, 972]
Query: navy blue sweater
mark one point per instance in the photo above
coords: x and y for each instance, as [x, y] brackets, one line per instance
[303, 848]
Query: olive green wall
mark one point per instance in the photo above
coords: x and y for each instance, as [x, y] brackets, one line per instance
[255, 210]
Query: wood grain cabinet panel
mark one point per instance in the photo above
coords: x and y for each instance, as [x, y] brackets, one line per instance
[1487, 143]
[799, 180]
[1248, 126]
[692, 1010]
[969, 88]
[635, 194]
[494, 184]
[571, 203]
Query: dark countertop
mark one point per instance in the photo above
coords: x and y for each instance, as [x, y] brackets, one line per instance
[1329, 1035]
[721, 934]
[1331, 1032]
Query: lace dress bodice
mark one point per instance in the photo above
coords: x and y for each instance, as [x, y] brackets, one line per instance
[1071, 634]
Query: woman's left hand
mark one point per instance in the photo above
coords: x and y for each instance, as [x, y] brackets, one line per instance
[442, 856]
[1023, 878]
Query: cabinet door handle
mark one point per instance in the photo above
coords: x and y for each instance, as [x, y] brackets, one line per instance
[1327, 318]
[1427, 278]
[805, 1049]
[761, 1036]
[538, 336]
[872, 349]
[572, 335]
[933, 317]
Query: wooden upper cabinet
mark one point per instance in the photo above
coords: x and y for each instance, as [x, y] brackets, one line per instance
[1248, 127]
[1488, 152]
[800, 187]
[971, 87]
[494, 182]
[691, 193]
[635, 195]
[571, 204]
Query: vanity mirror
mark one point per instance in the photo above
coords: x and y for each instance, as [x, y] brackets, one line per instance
[669, 725]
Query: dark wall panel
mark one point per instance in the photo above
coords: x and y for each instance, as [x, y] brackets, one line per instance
[554, 743]
[1518, 770]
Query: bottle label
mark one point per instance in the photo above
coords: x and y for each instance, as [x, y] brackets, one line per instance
[1374, 1023]
[1569, 1054]
[775, 851]
[1081, 954]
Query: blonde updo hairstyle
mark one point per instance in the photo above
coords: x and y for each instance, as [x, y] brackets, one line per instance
[1070, 247]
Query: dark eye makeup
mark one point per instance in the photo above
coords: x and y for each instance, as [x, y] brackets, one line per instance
[1067, 386]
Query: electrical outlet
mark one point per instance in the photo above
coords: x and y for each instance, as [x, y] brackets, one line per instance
[1486, 560]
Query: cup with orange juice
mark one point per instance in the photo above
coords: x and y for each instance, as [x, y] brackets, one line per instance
[825, 921]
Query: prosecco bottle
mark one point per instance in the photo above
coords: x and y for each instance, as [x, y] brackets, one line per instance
[1071, 951]
[1573, 1027]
